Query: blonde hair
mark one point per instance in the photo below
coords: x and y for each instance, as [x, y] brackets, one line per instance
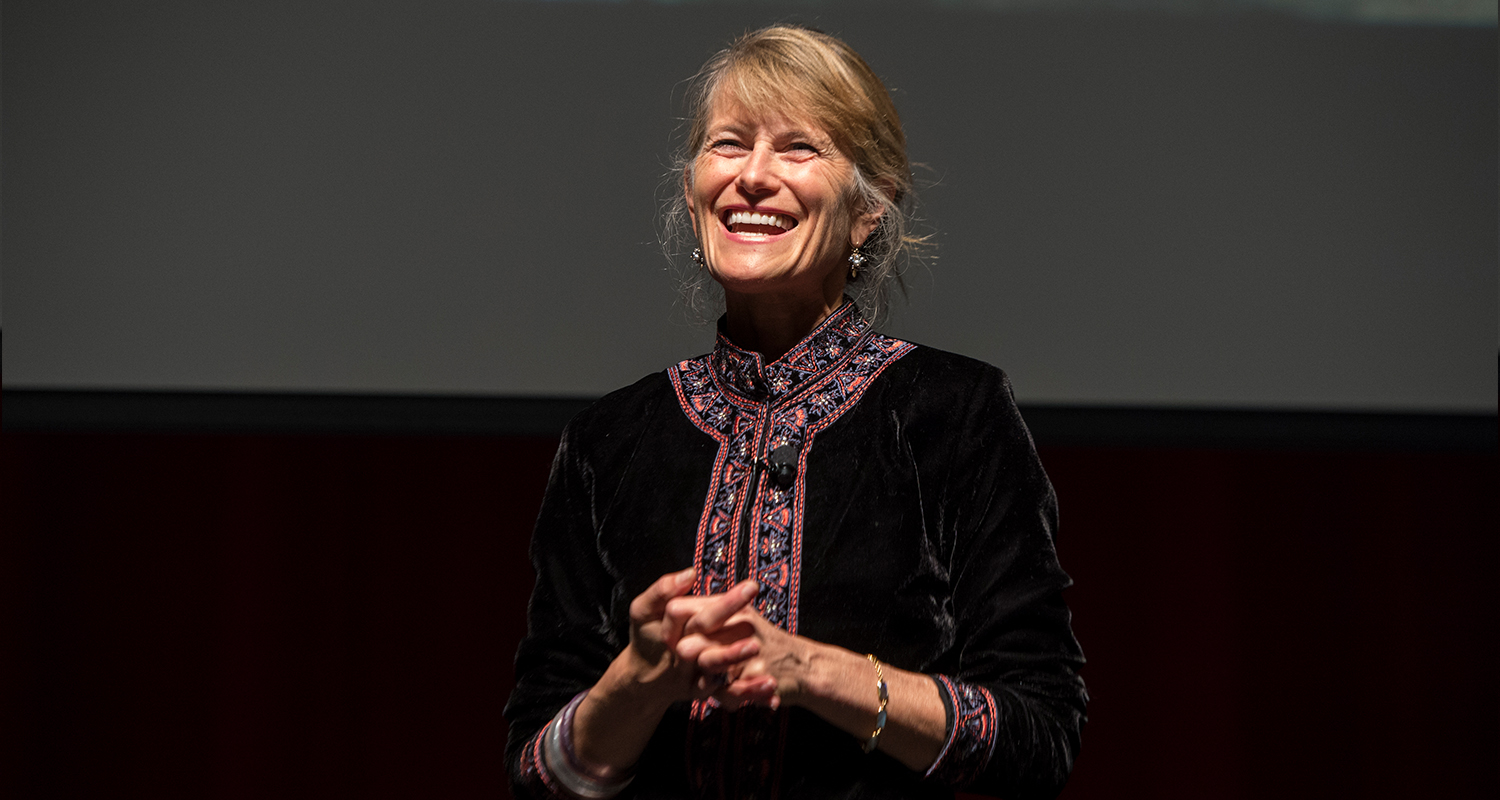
[811, 75]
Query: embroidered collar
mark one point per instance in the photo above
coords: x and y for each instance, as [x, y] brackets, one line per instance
[744, 372]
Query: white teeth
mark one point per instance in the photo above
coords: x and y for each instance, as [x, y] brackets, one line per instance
[754, 218]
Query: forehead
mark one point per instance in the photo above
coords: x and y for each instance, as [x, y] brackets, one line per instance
[727, 110]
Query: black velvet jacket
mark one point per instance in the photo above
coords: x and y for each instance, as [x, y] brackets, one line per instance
[911, 520]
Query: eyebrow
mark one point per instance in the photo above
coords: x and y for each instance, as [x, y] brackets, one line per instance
[794, 133]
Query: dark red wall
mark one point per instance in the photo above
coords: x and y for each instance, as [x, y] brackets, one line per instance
[321, 616]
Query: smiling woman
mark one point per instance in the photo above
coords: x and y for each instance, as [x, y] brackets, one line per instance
[770, 198]
[814, 93]
[818, 561]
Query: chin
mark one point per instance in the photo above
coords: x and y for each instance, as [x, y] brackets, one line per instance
[748, 283]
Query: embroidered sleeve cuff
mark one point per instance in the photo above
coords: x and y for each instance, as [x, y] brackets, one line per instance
[532, 772]
[972, 720]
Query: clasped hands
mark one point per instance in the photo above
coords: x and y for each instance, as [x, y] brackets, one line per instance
[697, 646]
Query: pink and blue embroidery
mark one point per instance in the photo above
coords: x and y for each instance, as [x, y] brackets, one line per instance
[532, 769]
[971, 741]
[750, 409]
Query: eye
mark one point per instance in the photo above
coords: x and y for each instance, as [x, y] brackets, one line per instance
[727, 144]
[802, 151]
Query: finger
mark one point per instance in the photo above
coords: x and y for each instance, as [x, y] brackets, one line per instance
[679, 611]
[721, 607]
[718, 658]
[682, 609]
[692, 645]
[652, 603]
[749, 615]
[733, 631]
[748, 690]
[687, 605]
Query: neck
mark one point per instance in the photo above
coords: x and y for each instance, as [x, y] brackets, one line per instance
[771, 324]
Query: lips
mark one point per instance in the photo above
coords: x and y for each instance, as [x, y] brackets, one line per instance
[761, 222]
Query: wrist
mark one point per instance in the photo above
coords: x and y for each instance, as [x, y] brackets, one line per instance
[821, 670]
[615, 718]
[581, 777]
[842, 687]
[631, 686]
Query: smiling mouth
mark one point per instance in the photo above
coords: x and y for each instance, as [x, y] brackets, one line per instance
[769, 224]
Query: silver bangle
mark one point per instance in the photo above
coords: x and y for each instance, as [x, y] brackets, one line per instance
[557, 747]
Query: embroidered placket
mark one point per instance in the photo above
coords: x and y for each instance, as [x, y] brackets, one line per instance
[751, 409]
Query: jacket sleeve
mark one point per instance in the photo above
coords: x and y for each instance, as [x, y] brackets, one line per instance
[570, 638]
[1015, 702]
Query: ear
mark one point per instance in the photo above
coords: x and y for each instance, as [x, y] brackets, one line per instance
[864, 225]
[868, 219]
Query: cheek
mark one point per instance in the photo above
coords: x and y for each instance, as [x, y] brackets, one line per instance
[709, 178]
[839, 221]
[699, 205]
[835, 203]
[704, 192]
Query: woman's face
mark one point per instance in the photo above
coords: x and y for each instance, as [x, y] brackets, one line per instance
[770, 198]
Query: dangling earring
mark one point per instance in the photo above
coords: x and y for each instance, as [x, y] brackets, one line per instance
[857, 259]
[698, 258]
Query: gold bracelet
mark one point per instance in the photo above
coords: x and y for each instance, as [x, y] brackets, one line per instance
[885, 697]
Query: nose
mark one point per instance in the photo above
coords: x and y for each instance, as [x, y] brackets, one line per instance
[758, 177]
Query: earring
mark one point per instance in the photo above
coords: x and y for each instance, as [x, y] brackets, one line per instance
[698, 259]
[857, 259]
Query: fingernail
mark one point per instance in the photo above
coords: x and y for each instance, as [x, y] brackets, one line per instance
[749, 590]
[686, 575]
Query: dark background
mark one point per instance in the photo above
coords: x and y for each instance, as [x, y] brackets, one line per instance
[335, 616]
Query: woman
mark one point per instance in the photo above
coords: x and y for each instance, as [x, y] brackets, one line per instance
[817, 561]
